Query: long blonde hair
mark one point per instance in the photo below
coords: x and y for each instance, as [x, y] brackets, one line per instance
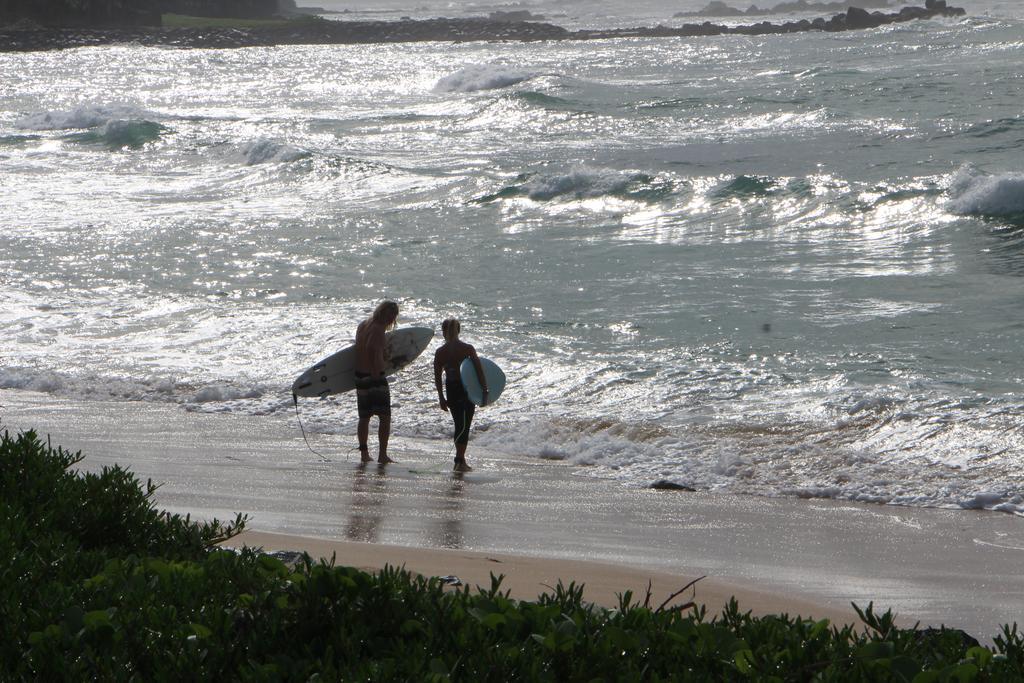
[450, 329]
[386, 310]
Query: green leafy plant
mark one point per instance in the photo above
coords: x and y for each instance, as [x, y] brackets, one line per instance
[97, 584]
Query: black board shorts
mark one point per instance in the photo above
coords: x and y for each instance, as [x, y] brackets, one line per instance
[373, 395]
[460, 407]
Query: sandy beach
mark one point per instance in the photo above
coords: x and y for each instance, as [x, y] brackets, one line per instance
[527, 577]
[538, 522]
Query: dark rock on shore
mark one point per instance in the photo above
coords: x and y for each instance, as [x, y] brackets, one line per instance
[717, 8]
[666, 485]
[853, 19]
[454, 30]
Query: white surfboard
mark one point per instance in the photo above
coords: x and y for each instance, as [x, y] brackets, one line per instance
[336, 373]
[495, 380]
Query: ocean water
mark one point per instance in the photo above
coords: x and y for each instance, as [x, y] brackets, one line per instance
[784, 265]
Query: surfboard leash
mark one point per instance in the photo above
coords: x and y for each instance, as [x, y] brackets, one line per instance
[295, 399]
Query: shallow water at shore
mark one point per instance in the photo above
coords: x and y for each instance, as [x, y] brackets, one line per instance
[782, 265]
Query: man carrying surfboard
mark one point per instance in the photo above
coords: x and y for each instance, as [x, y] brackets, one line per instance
[373, 395]
[447, 359]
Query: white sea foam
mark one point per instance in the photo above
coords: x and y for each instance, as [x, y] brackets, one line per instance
[43, 381]
[990, 500]
[579, 183]
[973, 192]
[482, 77]
[85, 116]
[246, 399]
[760, 465]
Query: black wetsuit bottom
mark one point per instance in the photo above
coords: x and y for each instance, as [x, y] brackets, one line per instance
[460, 407]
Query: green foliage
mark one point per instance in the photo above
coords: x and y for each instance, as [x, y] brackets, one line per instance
[58, 527]
[95, 584]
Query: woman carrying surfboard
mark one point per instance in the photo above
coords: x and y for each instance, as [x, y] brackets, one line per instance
[452, 397]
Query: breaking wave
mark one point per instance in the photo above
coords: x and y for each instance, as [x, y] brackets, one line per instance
[845, 460]
[115, 126]
[85, 116]
[482, 77]
[268, 152]
[746, 186]
[975, 193]
[585, 183]
[122, 134]
[257, 397]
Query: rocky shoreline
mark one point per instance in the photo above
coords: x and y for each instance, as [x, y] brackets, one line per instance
[452, 30]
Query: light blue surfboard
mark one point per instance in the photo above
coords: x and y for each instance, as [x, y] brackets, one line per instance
[495, 380]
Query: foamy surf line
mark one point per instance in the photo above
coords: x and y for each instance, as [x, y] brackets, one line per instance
[871, 451]
[843, 461]
[822, 552]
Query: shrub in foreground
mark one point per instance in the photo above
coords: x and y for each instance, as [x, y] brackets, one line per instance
[95, 583]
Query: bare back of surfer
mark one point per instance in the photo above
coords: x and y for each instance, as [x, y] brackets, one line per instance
[373, 395]
[452, 398]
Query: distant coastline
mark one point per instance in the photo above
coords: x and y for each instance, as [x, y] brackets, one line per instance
[717, 8]
[324, 32]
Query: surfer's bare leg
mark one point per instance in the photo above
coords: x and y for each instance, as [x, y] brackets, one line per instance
[460, 458]
[383, 433]
[363, 433]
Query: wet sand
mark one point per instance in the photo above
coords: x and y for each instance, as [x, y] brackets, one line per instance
[544, 520]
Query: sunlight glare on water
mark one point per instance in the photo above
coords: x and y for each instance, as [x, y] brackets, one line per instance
[777, 265]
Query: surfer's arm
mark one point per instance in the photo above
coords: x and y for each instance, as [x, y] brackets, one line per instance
[479, 373]
[438, 366]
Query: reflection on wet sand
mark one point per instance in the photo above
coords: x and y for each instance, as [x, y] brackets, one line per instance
[446, 531]
[369, 488]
